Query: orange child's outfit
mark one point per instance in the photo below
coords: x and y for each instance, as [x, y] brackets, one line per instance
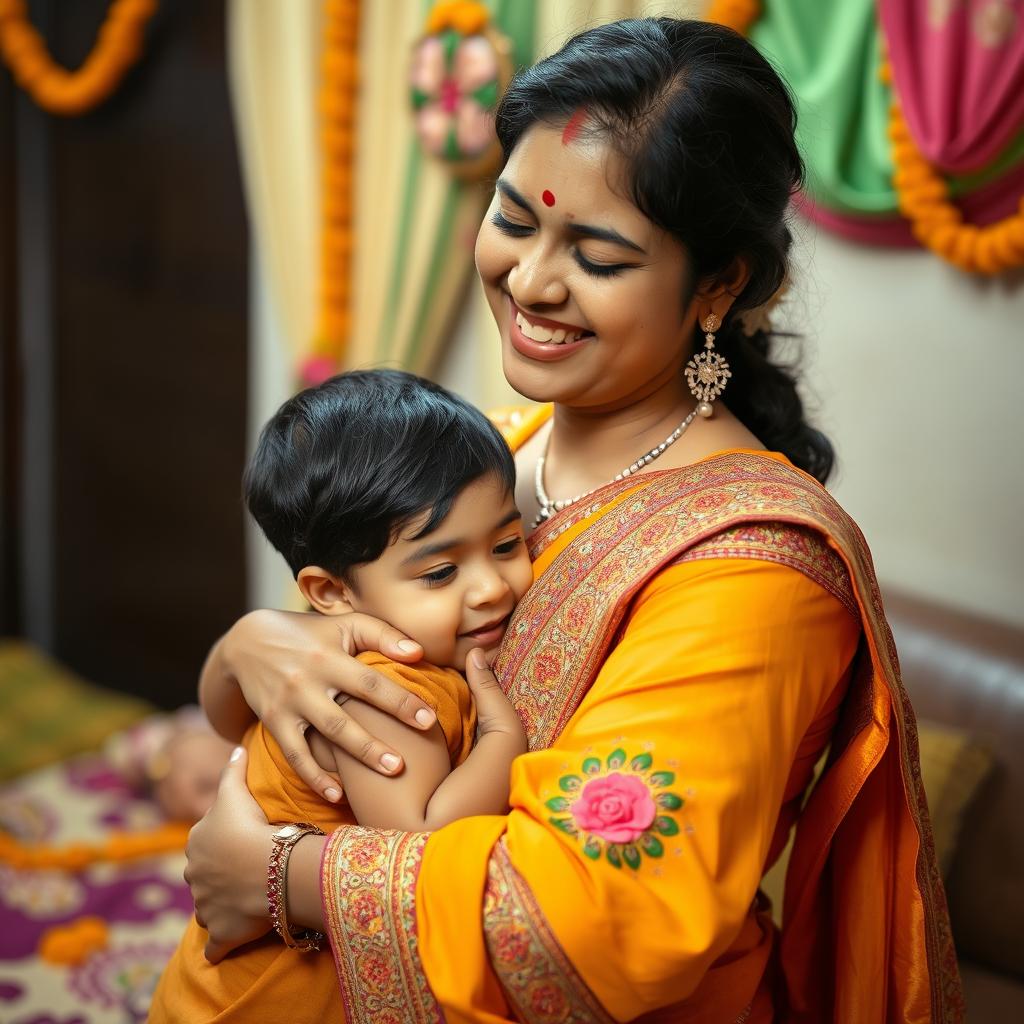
[265, 981]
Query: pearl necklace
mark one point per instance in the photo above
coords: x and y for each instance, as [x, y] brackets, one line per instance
[548, 507]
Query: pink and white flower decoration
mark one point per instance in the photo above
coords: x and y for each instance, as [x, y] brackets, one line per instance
[618, 807]
[456, 81]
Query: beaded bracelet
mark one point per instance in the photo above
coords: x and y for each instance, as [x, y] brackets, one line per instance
[306, 940]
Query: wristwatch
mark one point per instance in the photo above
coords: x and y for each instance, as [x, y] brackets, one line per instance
[306, 940]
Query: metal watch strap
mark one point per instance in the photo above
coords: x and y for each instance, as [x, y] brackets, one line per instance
[285, 838]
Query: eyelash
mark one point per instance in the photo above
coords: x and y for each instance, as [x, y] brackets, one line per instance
[446, 572]
[521, 231]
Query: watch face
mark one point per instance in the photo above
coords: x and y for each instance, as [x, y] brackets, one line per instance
[284, 833]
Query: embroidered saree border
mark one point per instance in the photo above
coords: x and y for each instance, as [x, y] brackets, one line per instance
[369, 895]
[539, 980]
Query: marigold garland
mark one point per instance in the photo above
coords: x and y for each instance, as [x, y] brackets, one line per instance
[57, 90]
[71, 944]
[921, 191]
[467, 17]
[118, 848]
[339, 71]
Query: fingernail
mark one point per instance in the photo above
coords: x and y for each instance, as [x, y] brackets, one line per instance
[332, 692]
[478, 658]
[408, 646]
[425, 717]
[332, 794]
[235, 754]
[389, 762]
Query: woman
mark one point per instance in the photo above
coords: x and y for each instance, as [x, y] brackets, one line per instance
[704, 623]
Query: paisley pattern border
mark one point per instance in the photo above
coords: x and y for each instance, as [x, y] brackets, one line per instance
[369, 895]
[539, 980]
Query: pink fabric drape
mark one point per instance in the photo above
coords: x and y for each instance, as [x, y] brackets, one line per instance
[958, 70]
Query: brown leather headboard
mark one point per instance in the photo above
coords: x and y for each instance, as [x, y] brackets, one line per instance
[969, 673]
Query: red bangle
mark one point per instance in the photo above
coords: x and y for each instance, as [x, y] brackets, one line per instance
[306, 940]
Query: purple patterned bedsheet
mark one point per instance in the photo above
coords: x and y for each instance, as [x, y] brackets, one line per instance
[145, 904]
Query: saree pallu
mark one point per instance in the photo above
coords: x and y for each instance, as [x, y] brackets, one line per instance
[684, 636]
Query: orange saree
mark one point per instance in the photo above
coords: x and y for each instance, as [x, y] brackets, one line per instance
[694, 640]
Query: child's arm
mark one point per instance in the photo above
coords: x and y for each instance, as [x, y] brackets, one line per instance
[429, 794]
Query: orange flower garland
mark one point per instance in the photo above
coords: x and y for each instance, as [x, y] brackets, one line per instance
[340, 79]
[120, 847]
[921, 192]
[71, 944]
[57, 90]
[467, 17]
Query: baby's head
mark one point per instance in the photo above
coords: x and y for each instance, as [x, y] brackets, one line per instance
[388, 495]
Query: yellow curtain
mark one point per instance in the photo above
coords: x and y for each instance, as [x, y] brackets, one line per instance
[274, 67]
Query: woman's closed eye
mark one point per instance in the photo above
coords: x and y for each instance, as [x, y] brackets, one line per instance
[503, 224]
[508, 227]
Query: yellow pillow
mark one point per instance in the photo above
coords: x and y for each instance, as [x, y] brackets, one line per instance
[953, 767]
[50, 714]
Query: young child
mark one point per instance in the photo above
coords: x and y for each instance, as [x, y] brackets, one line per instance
[387, 495]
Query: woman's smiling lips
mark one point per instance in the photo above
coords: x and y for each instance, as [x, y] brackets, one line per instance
[490, 634]
[542, 339]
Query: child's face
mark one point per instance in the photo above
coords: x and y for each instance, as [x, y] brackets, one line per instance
[453, 589]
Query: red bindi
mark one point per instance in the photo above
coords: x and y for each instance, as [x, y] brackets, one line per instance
[548, 196]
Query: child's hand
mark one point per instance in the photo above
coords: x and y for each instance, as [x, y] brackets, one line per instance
[494, 711]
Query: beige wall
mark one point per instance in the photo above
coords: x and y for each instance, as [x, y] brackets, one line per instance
[915, 371]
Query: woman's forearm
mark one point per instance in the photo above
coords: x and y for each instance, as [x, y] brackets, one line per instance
[221, 697]
[479, 785]
[305, 907]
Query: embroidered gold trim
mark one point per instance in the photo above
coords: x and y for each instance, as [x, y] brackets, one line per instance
[369, 895]
[539, 980]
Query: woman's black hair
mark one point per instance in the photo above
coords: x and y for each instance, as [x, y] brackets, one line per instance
[706, 128]
[341, 468]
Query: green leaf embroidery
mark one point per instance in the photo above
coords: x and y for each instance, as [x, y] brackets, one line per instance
[669, 801]
[631, 855]
[616, 759]
[564, 824]
[419, 98]
[666, 826]
[652, 845]
[641, 762]
[613, 855]
[569, 783]
[557, 803]
[592, 848]
[592, 766]
[663, 778]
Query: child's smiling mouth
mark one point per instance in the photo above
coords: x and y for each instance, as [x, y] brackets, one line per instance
[489, 633]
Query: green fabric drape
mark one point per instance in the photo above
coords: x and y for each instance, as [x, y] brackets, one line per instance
[830, 54]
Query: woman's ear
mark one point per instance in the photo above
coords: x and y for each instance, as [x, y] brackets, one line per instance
[327, 593]
[719, 295]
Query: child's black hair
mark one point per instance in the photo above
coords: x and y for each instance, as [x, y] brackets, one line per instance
[341, 468]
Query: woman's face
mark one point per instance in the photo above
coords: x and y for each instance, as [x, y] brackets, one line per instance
[587, 292]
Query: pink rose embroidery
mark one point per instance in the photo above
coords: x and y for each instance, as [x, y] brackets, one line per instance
[618, 808]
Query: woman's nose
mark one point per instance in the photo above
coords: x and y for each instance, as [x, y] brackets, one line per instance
[534, 281]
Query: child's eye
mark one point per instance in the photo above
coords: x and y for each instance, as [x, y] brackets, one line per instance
[438, 576]
[506, 547]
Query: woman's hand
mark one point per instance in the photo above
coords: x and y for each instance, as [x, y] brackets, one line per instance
[290, 667]
[228, 853]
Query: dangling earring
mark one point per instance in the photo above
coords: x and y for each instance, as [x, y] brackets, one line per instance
[707, 371]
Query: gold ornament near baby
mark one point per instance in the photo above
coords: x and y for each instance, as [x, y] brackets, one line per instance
[707, 372]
